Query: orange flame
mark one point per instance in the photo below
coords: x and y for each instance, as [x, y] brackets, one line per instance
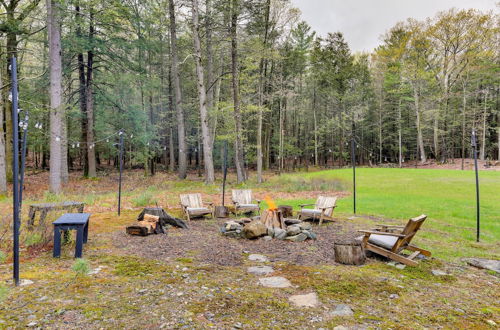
[270, 203]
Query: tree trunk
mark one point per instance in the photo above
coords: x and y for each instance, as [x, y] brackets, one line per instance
[464, 104]
[315, 129]
[89, 100]
[420, 139]
[3, 173]
[82, 92]
[238, 152]
[55, 95]
[178, 96]
[400, 141]
[261, 93]
[207, 148]
[483, 131]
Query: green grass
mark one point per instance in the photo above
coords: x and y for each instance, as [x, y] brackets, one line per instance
[446, 196]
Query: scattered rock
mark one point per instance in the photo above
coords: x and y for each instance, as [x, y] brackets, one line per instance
[438, 272]
[267, 238]
[297, 238]
[260, 270]
[257, 257]
[489, 264]
[275, 282]
[340, 327]
[24, 282]
[393, 296]
[305, 300]
[254, 230]
[400, 266]
[237, 325]
[310, 234]
[32, 324]
[491, 322]
[270, 231]
[342, 310]
[293, 230]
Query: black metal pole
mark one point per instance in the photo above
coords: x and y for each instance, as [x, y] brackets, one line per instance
[23, 158]
[353, 160]
[474, 146]
[121, 170]
[224, 170]
[15, 167]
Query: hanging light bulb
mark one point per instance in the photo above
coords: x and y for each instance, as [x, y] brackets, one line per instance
[131, 135]
[25, 127]
[78, 145]
[40, 126]
[72, 146]
[148, 145]
[21, 124]
[120, 133]
[164, 148]
[107, 140]
[386, 159]
[10, 96]
[58, 138]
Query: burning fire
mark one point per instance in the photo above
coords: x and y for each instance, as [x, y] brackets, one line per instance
[270, 203]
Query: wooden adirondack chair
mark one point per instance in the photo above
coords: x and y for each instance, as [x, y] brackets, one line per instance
[243, 201]
[390, 241]
[193, 206]
[323, 209]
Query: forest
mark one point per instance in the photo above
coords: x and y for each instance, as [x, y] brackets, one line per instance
[181, 81]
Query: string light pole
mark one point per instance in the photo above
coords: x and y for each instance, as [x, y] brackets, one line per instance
[24, 125]
[353, 161]
[15, 168]
[474, 148]
[121, 170]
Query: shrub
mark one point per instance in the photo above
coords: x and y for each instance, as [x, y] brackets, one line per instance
[81, 267]
[3, 256]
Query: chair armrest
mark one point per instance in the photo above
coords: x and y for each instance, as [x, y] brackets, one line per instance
[302, 205]
[369, 232]
[390, 226]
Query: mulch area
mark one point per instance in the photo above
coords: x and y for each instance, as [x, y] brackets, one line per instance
[204, 243]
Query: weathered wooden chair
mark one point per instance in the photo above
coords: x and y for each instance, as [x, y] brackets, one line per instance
[193, 206]
[390, 241]
[323, 209]
[243, 201]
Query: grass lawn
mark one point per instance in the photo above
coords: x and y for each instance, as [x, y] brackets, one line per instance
[446, 196]
[198, 278]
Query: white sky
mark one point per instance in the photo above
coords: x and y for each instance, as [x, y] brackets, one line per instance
[363, 21]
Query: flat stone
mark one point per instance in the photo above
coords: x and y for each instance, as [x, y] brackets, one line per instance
[279, 233]
[275, 282]
[305, 300]
[257, 257]
[260, 270]
[393, 296]
[290, 222]
[293, 230]
[297, 238]
[305, 226]
[267, 238]
[342, 310]
[340, 327]
[400, 266]
[24, 282]
[489, 264]
[492, 323]
[439, 272]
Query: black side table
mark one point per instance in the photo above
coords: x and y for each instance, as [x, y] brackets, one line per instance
[71, 221]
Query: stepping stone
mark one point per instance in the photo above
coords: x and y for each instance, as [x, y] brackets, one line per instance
[342, 310]
[257, 257]
[493, 265]
[24, 282]
[305, 300]
[439, 272]
[260, 270]
[275, 282]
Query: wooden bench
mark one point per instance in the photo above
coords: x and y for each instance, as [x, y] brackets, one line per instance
[71, 221]
[45, 208]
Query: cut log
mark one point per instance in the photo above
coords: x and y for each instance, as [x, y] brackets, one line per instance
[272, 219]
[165, 218]
[351, 253]
[221, 212]
[137, 230]
[286, 210]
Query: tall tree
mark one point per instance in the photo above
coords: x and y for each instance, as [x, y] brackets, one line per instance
[55, 92]
[202, 97]
[182, 161]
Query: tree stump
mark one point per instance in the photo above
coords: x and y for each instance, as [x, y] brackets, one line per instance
[350, 253]
[221, 212]
[286, 210]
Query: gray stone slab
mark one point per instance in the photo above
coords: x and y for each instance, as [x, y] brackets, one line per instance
[275, 282]
[260, 270]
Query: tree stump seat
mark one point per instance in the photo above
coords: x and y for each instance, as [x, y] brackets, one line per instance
[349, 253]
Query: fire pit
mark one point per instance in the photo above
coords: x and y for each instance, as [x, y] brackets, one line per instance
[271, 224]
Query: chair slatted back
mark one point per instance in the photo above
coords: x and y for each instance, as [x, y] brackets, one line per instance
[191, 200]
[324, 202]
[409, 231]
[242, 196]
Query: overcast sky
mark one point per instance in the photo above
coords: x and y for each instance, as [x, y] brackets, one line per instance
[363, 21]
